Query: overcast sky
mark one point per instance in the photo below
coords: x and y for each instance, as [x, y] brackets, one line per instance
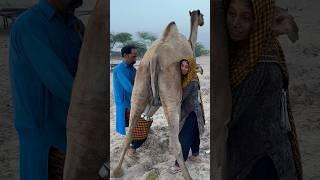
[154, 15]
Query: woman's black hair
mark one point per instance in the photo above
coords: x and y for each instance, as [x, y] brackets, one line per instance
[183, 60]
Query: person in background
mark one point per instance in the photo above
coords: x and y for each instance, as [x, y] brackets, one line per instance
[45, 43]
[123, 81]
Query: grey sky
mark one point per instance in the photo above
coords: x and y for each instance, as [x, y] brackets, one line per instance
[153, 16]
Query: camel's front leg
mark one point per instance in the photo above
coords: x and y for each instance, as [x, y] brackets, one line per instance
[170, 95]
[173, 116]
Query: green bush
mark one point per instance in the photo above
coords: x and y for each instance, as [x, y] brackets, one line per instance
[200, 50]
[141, 46]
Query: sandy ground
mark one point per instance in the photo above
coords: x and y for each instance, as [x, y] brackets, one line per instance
[154, 155]
[303, 62]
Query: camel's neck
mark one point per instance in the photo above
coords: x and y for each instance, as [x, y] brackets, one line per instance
[193, 33]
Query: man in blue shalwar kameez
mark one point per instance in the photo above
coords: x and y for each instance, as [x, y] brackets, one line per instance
[123, 80]
[44, 50]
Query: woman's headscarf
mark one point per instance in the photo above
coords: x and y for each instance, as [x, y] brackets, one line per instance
[192, 72]
[260, 41]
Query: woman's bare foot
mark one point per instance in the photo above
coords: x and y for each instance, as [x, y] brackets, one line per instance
[195, 158]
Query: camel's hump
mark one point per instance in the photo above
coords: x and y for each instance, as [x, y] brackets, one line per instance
[170, 30]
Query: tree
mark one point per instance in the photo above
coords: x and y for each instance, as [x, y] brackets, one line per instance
[200, 50]
[121, 38]
[112, 40]
[147, 37]
[141, 47]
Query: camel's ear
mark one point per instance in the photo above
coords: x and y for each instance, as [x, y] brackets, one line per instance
[190, 13]
[198, 12]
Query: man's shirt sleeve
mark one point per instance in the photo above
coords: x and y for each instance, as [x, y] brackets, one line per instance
[51, 70]
[124, 81]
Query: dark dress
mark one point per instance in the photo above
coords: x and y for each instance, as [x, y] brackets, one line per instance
[258, 146]
[191, 121]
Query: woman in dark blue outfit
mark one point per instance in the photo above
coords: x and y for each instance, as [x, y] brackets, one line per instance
[192, 119]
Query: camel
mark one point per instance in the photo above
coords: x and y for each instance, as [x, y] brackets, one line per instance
[159, 75]
[87, 116]
[284, 22]
[221, 86]
[195, 21]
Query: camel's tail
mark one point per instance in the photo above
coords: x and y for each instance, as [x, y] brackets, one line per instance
[169, 31]
[154, 71]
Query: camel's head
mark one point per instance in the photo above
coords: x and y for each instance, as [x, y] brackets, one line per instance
[283, 23]
[197, 15]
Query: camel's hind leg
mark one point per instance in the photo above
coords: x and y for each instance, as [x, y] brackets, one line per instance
[139, 100]
[170, 95]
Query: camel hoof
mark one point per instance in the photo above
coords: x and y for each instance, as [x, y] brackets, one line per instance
[117, 173]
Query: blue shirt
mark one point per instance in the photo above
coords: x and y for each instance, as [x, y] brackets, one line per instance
[123, 80]
[44, 52]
